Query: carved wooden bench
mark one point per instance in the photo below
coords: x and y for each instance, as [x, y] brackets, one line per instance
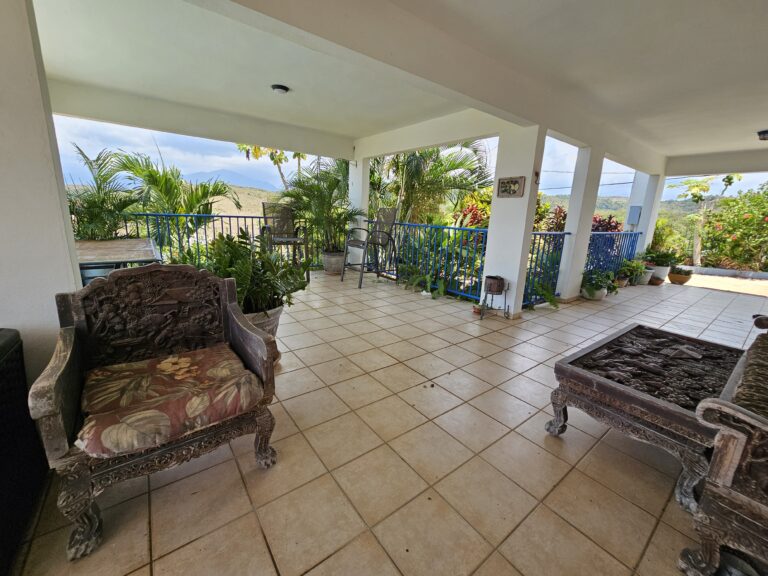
[646, 383]
[733, 509]
[154, 366]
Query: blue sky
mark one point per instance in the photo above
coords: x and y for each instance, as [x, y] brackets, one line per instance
[200, 156]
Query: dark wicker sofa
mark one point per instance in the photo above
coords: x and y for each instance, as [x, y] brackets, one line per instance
[154, 366]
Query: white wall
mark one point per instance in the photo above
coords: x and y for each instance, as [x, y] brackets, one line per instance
[35, 232]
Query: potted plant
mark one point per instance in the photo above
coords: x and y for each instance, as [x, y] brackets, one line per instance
[320, 197]
[679, 275]
[629, 272]
[661, 261]
[265, 280]
[597, 284]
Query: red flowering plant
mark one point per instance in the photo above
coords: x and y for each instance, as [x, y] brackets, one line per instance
[607, 224]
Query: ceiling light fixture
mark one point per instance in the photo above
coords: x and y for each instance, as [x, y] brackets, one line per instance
[280, 88]
[762, 134]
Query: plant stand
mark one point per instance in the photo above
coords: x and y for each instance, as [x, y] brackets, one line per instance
[494, 286]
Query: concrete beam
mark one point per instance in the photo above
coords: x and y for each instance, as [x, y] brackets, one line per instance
[132, 110]
[721, 163]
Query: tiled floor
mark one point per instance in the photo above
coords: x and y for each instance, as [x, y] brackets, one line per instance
[410, 438]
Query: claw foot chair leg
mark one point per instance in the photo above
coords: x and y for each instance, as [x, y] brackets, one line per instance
[559, 424]
[266, 456]
[76, 503]
[704, 562]
[693, 471]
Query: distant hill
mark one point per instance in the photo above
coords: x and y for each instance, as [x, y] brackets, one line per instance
[250, 198]
[232, 177]
[617, 205]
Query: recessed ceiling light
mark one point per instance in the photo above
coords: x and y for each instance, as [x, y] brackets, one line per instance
[281, 88]
[763, 134]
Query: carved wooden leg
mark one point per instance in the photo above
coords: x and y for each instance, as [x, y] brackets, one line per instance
[694, 469]
[703, 562]
[558, 424]
[76, 503]
[266, 456]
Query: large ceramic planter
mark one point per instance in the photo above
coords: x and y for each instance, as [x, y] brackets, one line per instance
[644, 278]
[267, 321]
[679, 278]
[333, 262]
[598, 294]
[661, 271]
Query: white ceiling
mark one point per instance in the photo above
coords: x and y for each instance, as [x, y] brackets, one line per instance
[176, 51]
[681, 76]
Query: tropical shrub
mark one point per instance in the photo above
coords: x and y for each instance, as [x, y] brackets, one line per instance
[594, 280]
[735, 235]
[607, 224]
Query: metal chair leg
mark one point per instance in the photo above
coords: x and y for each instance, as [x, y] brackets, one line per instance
[363, 264]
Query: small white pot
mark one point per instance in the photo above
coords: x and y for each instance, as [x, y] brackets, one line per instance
[644, 278]
[599, 294]
[661, 271]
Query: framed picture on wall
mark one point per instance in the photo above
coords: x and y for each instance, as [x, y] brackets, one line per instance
[511, 187]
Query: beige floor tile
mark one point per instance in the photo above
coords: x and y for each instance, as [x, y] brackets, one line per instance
[487, 499]
[462, 384]
[378, 483]
[496, 565]
[430, 365]
[221, 454]
[528, 390]
[288, 362]
[123, 491]
[297, 382]
[570, 446]
[297, 464]
[527, 464]
[233, 550]
[546, 544]
[679, 519]
[333, 333]
[143, 571]
[284, 427]
[480, 347]
[431, 451]
[125, 547]
[407, 331]
[651, 455]
[299, 341]
[543, 374]
[456, 355]
[390, 417]
[615, 524]
[314, 408]
[317, 354]
[192, 506]
[291, 329]
[660, 558]
[363, 327]
[513, 361]
[352, 345]
[403, 350]
[382, 337]
[637, 482]
[489, 371]
[308, 525]
[507, 409]
[429, 342]
[337, 370]
[357, 392]
[533, 352]
[430, 399]
[342, 439]
[398, 377]
[372, 360]
[363, 556]
[471, 427]
[426, 537]
[550, 344]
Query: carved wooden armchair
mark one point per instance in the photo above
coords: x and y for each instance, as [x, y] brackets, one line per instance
[154, 366]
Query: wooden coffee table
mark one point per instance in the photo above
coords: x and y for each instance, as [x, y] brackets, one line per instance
[646, 383]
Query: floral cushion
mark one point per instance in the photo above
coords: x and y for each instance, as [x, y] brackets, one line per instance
[137, 405]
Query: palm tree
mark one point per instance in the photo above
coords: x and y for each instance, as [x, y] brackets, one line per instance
[277, 156]
[98, 207]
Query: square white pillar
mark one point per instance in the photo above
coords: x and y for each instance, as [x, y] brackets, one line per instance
[647, 190]
[359, 193]
[38, 257]
[581, 208]
[519, 153]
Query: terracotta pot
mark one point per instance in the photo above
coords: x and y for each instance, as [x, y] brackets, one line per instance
[656, 281]
[679, 278]
[599, 294]
[267, 321]
[622, 282]
[333, 262]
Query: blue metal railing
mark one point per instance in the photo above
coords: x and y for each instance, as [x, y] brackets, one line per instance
[607, 250]
[543, 266]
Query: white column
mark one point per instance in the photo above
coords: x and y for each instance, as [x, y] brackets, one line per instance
[646, 194]
[359, 190]
[509, 232]
[581, 208]
[37, 259]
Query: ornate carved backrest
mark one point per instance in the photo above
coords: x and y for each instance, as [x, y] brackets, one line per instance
[145, 312]
[381, 231]
[279, 217]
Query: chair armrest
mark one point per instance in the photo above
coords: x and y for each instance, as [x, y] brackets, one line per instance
[256, 348]
[54, 399]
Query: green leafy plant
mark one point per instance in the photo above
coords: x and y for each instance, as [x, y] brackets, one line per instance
[661, 257]
[631, 269]
[594, 280]
[320, 198]
[98, 207]
[265, 279]
[545, 292]
[680, 271]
